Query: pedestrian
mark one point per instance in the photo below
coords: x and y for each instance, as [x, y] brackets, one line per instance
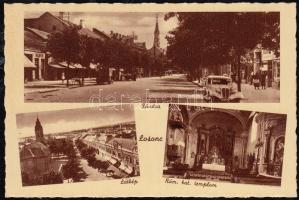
[256, 81]
[251, 77]
[263, 80]
[62, 77]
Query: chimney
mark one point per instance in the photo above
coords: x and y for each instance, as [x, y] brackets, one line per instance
[81, 23]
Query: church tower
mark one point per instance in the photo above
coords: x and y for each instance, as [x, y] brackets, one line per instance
[39, 133]
[156, 35]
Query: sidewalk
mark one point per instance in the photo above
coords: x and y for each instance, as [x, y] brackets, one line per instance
[268, 95]
[50, 86]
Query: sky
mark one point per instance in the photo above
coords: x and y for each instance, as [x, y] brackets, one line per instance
[73, 119]
[141, 23]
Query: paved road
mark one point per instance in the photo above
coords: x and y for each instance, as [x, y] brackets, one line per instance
[166, 89]
[175, 89]
[92, 173]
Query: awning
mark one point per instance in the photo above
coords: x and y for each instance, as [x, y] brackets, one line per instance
[56, 65]
[125, 168]
[92, 66]
[122, 167]
[128, 170]
[112, 160]
[65, 65]
[28, 63]
[78, 66]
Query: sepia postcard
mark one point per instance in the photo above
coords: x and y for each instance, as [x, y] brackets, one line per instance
[150, 100]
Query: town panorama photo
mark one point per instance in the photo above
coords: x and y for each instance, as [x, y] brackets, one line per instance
[77, 145]
[150, 57]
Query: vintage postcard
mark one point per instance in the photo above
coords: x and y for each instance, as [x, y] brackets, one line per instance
[150, 100]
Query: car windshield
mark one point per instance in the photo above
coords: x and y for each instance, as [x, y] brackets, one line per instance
[218, 81]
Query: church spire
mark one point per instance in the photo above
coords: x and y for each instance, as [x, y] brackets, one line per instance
[157, 34]
[39, 133]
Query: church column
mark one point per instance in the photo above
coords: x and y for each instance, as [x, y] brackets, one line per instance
[197, 147]
[188, 131]
[244, 138]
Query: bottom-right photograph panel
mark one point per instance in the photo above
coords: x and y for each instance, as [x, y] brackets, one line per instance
[224, 145]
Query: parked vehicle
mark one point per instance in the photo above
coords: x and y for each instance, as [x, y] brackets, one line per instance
[129, 76]
[220, 89]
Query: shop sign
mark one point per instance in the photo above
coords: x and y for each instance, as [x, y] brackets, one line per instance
[40, 55]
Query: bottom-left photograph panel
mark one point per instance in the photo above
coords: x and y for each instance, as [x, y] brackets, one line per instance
[77, 145]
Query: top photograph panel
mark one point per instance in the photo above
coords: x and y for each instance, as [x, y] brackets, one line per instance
[149, 57]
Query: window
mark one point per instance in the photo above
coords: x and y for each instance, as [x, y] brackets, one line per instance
[54, 28]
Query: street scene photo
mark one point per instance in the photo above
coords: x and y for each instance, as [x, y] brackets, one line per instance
[151, 57]
[234, 146]
[77, 145]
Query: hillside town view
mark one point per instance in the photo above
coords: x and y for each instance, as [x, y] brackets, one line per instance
[89, 154]
[152, 57]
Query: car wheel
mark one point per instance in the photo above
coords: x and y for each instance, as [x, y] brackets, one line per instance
[235, 101]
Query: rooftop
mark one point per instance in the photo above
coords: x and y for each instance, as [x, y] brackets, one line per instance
[126, 143]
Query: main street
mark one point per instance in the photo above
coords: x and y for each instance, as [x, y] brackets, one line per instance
[173, 88]
[165, 89]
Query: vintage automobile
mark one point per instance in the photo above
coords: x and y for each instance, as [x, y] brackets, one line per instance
[129, 76]
[220, 89]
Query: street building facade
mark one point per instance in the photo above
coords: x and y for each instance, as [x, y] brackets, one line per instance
[117, 145]
[265, 61]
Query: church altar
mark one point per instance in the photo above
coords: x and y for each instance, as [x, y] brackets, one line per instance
[214, 166]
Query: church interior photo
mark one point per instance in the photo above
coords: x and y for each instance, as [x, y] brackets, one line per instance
[224, 145]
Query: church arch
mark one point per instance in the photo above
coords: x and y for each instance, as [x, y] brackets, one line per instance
[232, 113]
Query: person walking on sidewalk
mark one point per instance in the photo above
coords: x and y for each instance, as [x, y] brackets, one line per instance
[251, 78]
[263, 80]
[256, 81]
[62, 77]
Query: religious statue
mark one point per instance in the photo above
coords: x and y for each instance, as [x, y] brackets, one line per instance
[214, 154]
